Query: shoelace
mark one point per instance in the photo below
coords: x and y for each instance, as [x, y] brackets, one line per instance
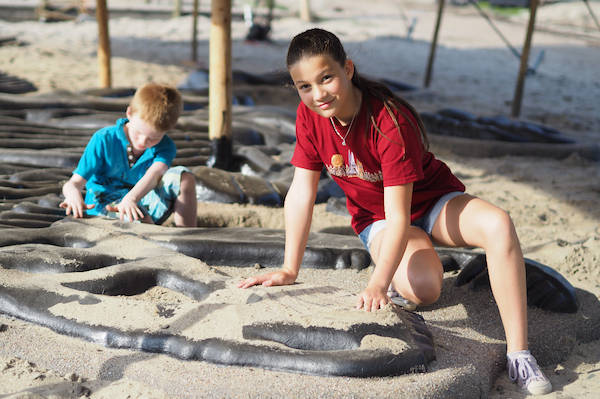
[522, 367]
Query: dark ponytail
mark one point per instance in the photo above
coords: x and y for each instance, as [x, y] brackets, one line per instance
[391, 102]
[317, 41]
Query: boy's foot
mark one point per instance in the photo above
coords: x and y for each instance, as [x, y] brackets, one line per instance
[523, 368]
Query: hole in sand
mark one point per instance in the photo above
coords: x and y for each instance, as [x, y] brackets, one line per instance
[240, 219]
[136, 282]
[42, 258]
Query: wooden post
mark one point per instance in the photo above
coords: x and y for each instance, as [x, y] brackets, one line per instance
[177, 9]
[220, 85]
[103, 44]
[195, 32]
[81, 7]
[305, 14]
[433, 46]
[516, 104]
[41, 10]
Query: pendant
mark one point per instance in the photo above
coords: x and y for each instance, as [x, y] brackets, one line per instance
[344, 143]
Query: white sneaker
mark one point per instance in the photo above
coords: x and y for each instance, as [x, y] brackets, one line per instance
[523, 368]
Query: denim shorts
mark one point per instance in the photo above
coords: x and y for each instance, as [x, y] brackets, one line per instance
[158, 202]
[426, 222]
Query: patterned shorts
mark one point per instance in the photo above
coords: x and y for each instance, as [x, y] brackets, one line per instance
[158, 203]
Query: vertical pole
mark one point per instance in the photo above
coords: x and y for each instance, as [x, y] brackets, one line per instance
[195, 32]
[40, 11]
[220, 85]
[103, 44]
[433, 46]
[516, 104]
[81, 7]
[177, 9]
[270, 4]
[305, 14]
[587, 4]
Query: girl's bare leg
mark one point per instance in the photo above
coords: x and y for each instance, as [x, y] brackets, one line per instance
[469, 221]
[420, 273]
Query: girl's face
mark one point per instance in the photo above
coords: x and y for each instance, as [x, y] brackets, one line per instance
[325, 86]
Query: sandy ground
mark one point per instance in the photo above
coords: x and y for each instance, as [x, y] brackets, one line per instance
[555, 203]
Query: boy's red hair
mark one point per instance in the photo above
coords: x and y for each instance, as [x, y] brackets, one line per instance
[157, 104]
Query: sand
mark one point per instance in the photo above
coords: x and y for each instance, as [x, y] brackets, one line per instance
[554, 202]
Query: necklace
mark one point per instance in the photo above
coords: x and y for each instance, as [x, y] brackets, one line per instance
[347, 132]
[131, 157]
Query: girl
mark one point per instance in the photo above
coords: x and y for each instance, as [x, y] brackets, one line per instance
[400, 196]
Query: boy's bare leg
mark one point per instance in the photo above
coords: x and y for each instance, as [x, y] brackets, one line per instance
[186, 204]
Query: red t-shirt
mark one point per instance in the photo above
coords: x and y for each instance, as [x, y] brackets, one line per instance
[370, 161]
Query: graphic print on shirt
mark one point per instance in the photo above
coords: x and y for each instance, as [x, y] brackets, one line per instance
[353, 169]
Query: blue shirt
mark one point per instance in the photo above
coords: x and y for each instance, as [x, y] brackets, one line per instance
[105, 166]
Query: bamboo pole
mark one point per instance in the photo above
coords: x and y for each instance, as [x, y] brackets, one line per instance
[195, 32]
[41, 10]
[177, 9]
[305, 14]
[433, 46]
[103, 44]
[220, 85]
[516, 104]
[81, 7]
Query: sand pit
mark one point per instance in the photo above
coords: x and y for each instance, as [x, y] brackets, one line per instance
[553, 199]
[281, 329]
[133, 293]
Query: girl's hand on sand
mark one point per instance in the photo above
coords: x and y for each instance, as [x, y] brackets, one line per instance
[372, 298]
[280, 277]
[75, 207]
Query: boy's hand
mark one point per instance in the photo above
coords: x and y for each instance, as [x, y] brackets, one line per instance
[127, 208]
[75, 206]
[280, 277]
[372, 298]
[74, 203]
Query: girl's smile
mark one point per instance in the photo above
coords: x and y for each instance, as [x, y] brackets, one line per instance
[325, 105]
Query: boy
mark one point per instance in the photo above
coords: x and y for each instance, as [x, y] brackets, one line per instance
[125, 167]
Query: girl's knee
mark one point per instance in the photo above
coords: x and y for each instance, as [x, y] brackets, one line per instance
[423, 292]
[497, 225]
[420, 281]
[429, 290]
